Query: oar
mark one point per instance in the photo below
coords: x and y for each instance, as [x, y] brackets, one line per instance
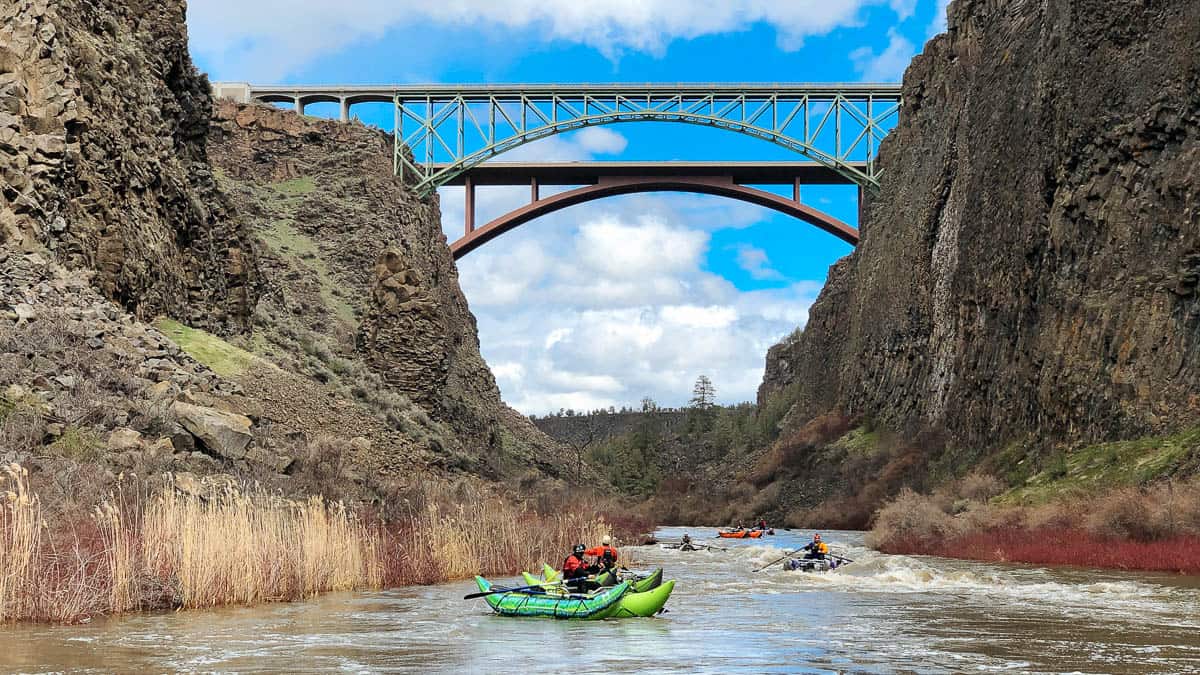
[840, 558]
[494, 591]
[785, 556]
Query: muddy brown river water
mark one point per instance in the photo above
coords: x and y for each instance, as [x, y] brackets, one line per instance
[881, 614]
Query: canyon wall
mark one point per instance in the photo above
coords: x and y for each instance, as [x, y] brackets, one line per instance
[103, 127]
[1028, 270]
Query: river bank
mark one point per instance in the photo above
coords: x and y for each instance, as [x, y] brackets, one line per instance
[154, 545]
[1149, 528]
[884, 613]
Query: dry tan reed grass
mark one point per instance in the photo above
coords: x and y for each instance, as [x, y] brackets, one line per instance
[20, 542]
[150, 547]
[454, 532]
[237, 547]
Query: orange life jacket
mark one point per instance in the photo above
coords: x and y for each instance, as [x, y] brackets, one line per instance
[599, 551]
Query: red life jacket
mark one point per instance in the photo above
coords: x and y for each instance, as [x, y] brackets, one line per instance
[573, 567]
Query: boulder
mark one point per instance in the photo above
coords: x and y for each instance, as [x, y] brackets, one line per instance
[223, 433]
[122, 440]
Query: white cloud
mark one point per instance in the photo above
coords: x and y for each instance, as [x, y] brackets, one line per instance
[755, 261]
[888, 65]
[266, 40]
[903, 8]
[938, 25]
[600, 140]
[616, 304]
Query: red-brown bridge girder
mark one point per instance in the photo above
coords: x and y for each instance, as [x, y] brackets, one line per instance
[609, 186]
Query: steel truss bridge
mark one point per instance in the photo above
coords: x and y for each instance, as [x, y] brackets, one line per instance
[444, 134]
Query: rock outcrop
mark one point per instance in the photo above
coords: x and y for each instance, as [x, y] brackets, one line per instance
[103, 125]
[361, 291]
[1029, 269]
[223, 433]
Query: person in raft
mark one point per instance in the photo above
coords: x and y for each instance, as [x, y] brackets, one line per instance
[762, 524]
[575, 570]
[817, 549]
[687, 543]
[605, 553]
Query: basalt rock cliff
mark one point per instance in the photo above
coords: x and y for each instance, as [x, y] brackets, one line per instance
[362, 294]
[103, 125]
[338, 354]
[1028, 271]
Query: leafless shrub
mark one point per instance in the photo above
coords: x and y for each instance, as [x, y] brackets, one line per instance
[980, 487]
[911, 517]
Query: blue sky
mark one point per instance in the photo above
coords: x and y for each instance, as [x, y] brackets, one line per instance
[607, 302]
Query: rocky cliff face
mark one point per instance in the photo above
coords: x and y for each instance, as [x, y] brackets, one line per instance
[362, 293]
[1029, 269]
[103, 123]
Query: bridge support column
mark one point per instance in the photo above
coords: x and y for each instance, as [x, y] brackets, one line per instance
[299, 105]
[796, 190]
[345, 109]
[469, 210]
[862, 207]
[533, 189]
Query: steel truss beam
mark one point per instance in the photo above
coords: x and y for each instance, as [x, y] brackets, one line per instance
[449, 129]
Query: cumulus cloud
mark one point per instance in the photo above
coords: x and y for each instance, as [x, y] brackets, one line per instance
[268, 39]
[755, 261]
[889, 64]
[614, 304]
[939, 18]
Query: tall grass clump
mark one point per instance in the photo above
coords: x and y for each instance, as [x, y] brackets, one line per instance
[20, 545]
[238, 547]
[180, 544]
[454, 532]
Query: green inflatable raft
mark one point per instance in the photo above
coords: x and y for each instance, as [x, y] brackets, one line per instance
[645, 597]
[594, 606]
[553, 576]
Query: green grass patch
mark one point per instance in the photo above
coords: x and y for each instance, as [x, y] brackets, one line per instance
[79, 444]
[1119, 463]
[289, 242]
[858, 441]
[223, 358]
[295, 187]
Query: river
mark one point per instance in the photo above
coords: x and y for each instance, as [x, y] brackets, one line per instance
[880, 614]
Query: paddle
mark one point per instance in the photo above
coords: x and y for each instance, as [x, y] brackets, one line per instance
[785, 556]
[494, 591]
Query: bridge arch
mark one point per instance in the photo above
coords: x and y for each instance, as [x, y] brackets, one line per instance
[609, 186]
[854, 172]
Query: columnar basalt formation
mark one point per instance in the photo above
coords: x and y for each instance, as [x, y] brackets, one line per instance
[355, 260]
[103, 123]
[1029, 269]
